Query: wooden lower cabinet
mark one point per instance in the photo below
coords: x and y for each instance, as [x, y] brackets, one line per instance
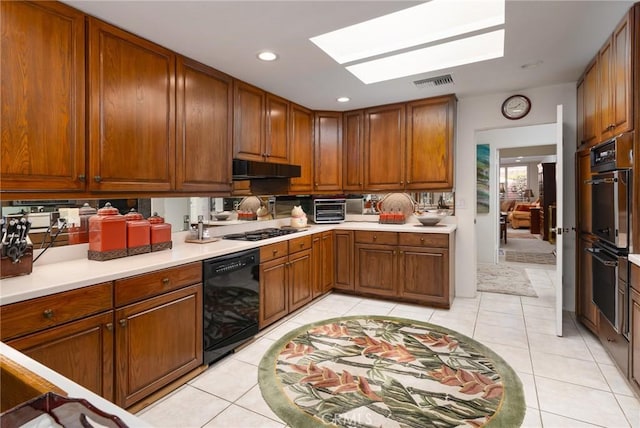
[344, 260]
[80, 350]
[323, 263]
[158, 340]
[286, 282]
[587, 311]
[412, 267]
[634, 328]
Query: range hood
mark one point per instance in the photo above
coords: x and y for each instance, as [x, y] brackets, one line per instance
[250, 170]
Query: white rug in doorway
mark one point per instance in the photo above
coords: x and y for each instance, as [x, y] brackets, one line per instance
[504, 279]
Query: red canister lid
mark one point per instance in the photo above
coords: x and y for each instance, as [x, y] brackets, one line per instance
[108, 210]
[133, 215]
[155, 218]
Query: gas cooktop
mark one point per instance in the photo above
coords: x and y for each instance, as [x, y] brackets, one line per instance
[258, 235]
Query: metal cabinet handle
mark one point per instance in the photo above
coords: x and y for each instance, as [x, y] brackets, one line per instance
[48, 313]
[375, 237]
[97, 178]
[275, 252]
[109, 326]
[123, 322]
[166, 281]
[82, 178]
[301, 244]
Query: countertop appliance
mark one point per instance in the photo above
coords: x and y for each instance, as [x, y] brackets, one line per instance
[260, 234]
[611, 182]
[250, 170]
[231, 302]
[329, 210]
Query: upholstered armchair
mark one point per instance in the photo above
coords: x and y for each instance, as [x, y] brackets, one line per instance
[520, 216]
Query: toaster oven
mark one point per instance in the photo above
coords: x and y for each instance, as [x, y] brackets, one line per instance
[329, 210]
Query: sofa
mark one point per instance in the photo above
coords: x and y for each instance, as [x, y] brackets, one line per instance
[521, 215]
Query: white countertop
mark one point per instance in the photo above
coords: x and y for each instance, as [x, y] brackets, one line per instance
[71, 388]
[635, 259]
[75, 271]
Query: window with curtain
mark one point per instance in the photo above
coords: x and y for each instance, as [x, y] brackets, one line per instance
[514, 179]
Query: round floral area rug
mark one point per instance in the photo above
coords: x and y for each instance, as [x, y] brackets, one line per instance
[388, 372]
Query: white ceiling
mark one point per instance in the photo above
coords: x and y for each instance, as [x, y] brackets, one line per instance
[227, 35]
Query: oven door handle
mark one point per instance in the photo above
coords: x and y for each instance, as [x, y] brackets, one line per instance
[594, 252]
[601, 181]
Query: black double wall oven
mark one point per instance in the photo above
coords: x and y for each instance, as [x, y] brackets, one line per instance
[611, 171]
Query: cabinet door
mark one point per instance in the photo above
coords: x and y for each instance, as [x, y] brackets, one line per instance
[204, 128]
[430, 130]
[587, 311]
[384, 147]
[423, 275]
[328, 152]
[590, 104]
[301, 148]
[605, 97]
[42, 110]
[352, 157]
[344, 264]
[634, 327]
[131, 112]
[580, 113]
[274, 301]
[316, 254]
[277, 135]
[583, 202]
[80, 350]
[158, 340]
[328, 275]
[621, 84]
[376, 269]
[300, 279]
[248, 122]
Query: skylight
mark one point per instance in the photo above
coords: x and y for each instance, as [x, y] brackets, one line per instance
[425, 23]
[458, 52]
[389, 39]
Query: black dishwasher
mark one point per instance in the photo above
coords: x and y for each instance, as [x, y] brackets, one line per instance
[231, 302]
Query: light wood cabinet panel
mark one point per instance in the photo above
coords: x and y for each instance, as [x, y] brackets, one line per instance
[81, 351]
[344, 263]
[328, 152]
[204, 121]
[376, 269]
[158, 340]
[274, 302]
[301, 148]
[277, 132]
[43, 88]
[248, 122]
[429, 149]
[131, 112]
[300, 279]
[590, 105]
[384, 147]
[352, 158]
[424, 275]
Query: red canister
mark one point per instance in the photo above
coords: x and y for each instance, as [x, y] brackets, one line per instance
[160, 233]
[107, 234]
[80, 234]
[138, 233]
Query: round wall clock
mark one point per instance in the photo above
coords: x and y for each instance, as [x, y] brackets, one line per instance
[516, 107]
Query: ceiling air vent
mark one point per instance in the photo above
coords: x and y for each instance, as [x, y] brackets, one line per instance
[432, 82]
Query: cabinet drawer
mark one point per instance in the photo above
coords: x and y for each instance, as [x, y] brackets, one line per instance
[140, 287]
[299, 244]
[433, 240]
[368, 237]
[635, 277]
[273, 251]
[48, 311]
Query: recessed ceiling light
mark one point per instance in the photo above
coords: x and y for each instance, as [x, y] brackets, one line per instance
[343, 99]
[267, 56]
[518, 160]
[520, 157]
[458, 52]
[531, 65]
[425, 23]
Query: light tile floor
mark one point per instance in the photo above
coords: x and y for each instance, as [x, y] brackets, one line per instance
[569, 381]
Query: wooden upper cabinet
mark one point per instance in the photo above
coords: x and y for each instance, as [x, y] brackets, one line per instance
[580, 113]
[352, 157]
[131, 112]
[328, 152]
[590, 128]
[204, 118]
[384, 147]
[604, 97]
[42, 85]
[301, 148]
[277, 132]
[429, 149]
[248, 121]
[621, 84]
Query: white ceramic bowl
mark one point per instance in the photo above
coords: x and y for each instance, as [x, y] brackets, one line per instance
[222, 216]
[431, 218]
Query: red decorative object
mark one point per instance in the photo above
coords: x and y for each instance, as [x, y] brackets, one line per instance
[107, 234]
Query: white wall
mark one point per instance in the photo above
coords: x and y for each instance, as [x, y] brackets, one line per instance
[476, 114]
